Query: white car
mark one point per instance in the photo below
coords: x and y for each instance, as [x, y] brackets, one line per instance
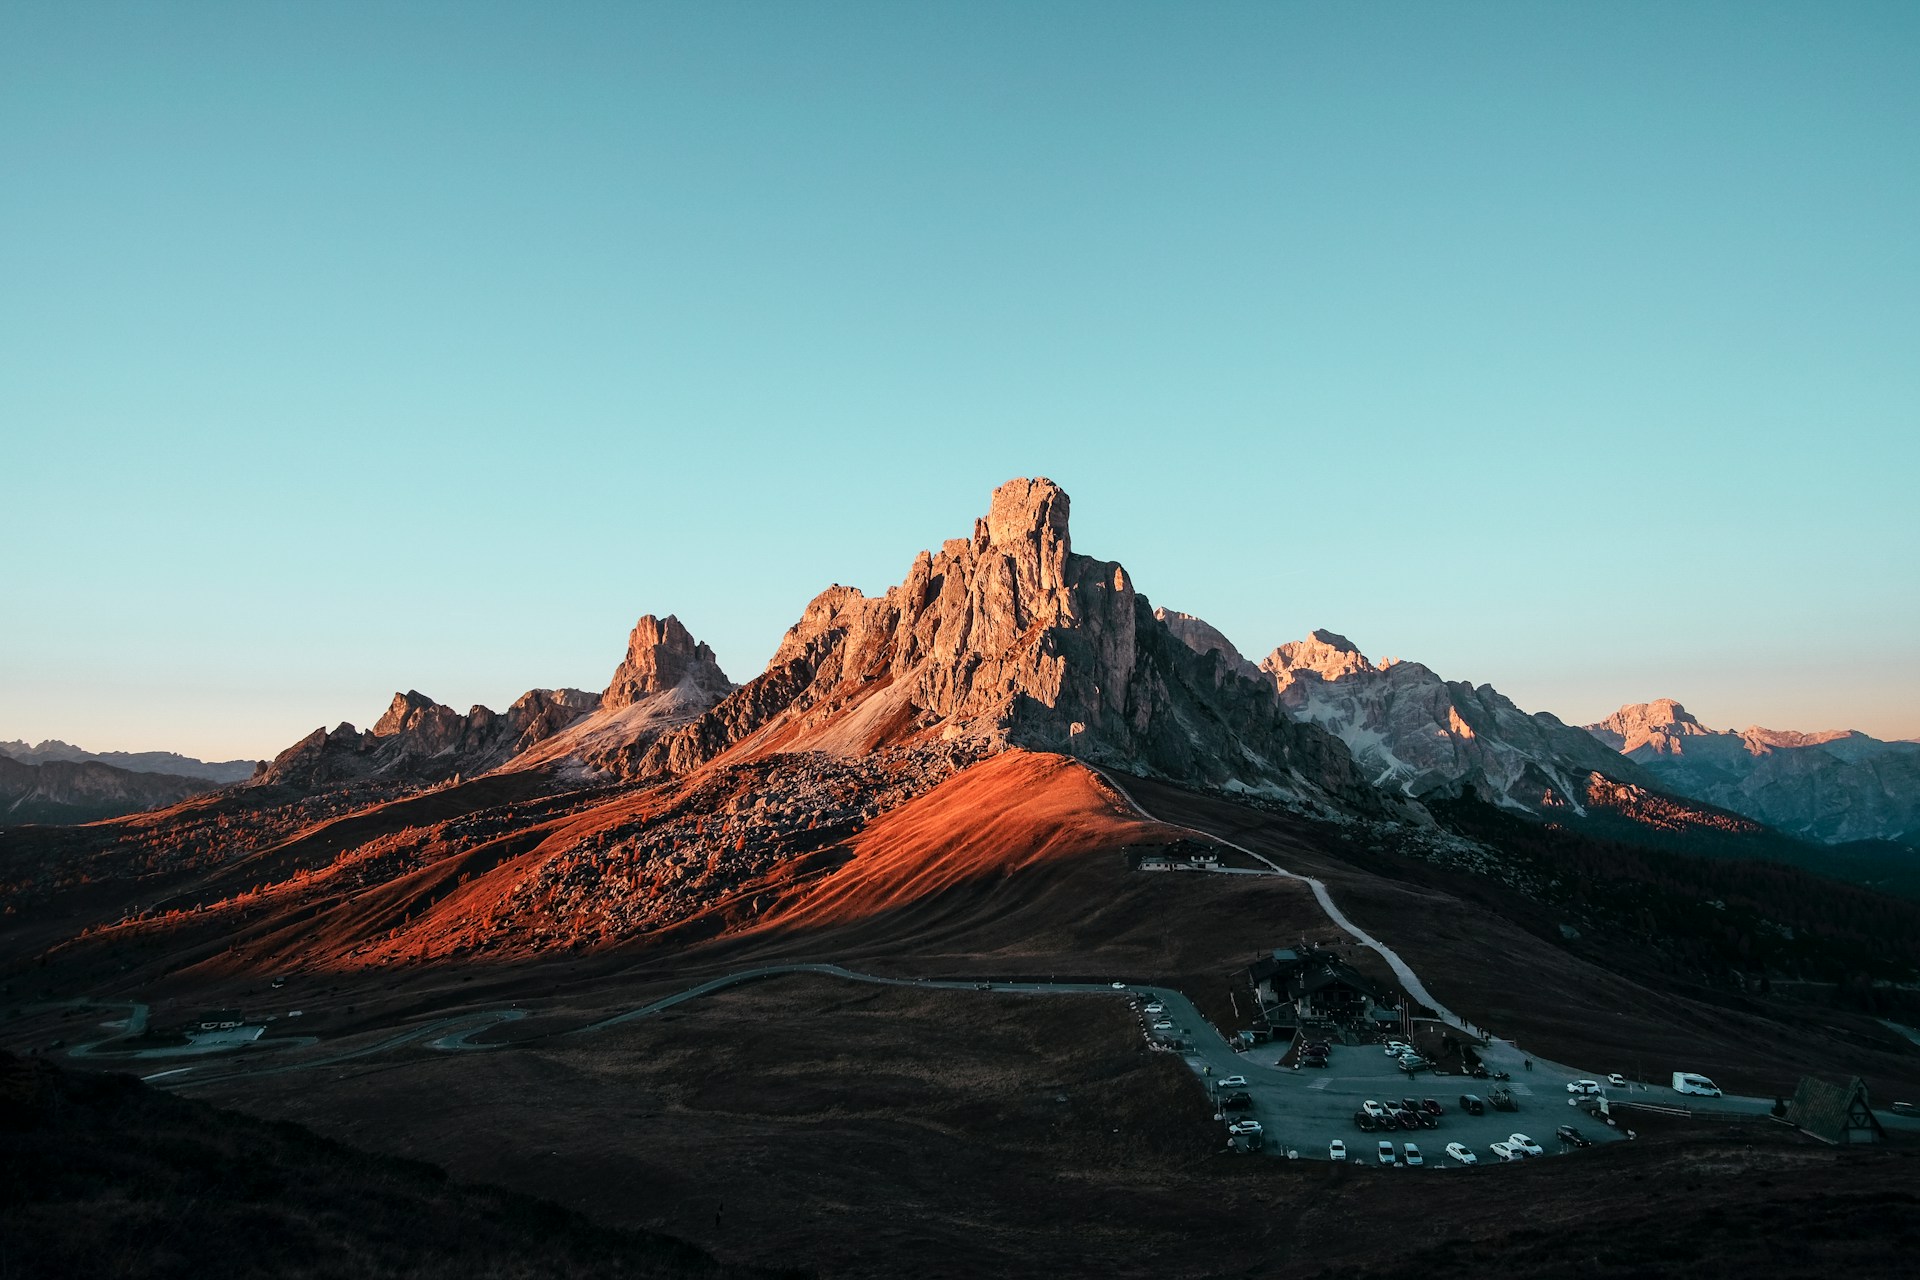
[1524, 1145]
[1413, 1159]
[1233, 1082]
[1397, 1047]
[1156, 1007]
[1119, 986]
[1462, 1153]
[1387, 1155]
[1337, 1151]
[1163, 1025]
[1617, 1080]
[1374, 1109]
[1244, 1127]
[1584, 1086]
[1505, 1152]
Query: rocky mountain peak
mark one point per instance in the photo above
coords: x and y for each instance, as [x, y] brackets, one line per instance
[1029, 513]
[662, 654]
[1642, 723]
[405, 712]
[1323, 654]
[1008, 638]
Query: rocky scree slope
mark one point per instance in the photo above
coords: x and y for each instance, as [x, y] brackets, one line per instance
[1422, 735]
[1834, 787]
[1006, 639]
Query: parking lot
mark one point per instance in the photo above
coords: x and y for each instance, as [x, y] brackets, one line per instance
[1303, 1109]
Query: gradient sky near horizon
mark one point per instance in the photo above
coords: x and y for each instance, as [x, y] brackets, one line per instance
[348, 348]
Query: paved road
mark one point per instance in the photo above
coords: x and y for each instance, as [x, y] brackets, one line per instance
[1409, 980]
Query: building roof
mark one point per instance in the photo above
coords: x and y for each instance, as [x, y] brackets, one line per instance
[1834, 1112]
[1333, 974]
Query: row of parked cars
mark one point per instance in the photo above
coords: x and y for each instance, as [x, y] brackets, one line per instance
[1404, 1114]
[1517, 1146]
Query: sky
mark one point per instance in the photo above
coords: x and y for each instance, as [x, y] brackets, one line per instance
[351, 348]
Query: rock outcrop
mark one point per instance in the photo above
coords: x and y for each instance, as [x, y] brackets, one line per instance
[1422, 735]
[1836, 786]
[1203, 638]
[1009, 638]
[666, 680]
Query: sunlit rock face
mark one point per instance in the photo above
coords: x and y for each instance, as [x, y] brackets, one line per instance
[1417, 733]
[1834, 786]
[663, 655]
[1010, 638]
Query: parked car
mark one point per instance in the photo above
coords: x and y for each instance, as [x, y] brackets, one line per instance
[1244, 1128]
[1462, 1153]
[1386, 1155]
[1413, 1066]
[1156, 1007]
[1317, 1046]
[1163, 1025]
[1397, 1047]
[1411, 1154]
[1406, 1119]
[1617, 1080]
[1364, 1122]
[1236, 1100]
[1233, 1082]
[1525, 1145]
[1374, 1109]
[1337, 1151]
[1506, 1152]
[1473, 1104]
[1314, 1060]
[1571, 1136]
[1584, 1086]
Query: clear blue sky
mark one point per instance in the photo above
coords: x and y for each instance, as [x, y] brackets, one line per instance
[347, 348]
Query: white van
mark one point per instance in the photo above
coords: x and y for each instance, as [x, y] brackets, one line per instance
[1700, 1086]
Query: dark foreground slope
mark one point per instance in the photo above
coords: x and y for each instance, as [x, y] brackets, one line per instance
[891, 1131]
[102, 1176]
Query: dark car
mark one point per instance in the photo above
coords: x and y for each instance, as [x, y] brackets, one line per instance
[1432, 1106]
[1320, 1047]
[1406, 1120]
[1364, 1122]
[1313, 1060]
[1572, 1136]
[1414, 1065]
[1473, 1104]
[1238, 1100]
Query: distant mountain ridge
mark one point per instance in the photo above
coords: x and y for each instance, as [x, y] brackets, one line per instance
[67, 791]
[1419, 734]
[1834, 786]
[134, 761]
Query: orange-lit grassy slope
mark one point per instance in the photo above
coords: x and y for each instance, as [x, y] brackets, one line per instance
[1008, 815]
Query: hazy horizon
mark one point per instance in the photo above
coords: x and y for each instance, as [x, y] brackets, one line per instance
[357, 349]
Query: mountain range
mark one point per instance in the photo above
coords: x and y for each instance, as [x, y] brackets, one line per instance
[1009, 639]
